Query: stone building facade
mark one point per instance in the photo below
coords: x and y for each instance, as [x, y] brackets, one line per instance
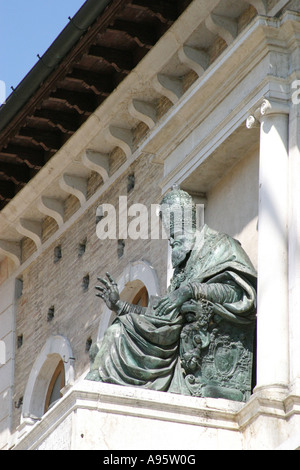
[213, 105]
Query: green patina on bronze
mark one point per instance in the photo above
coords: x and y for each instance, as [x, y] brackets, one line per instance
[198, 339]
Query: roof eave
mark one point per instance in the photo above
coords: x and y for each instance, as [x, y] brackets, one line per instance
[87, 14]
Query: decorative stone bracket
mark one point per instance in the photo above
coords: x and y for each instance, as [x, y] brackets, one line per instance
[195, 59]
[31, 229]
[143, 111]
[226, 28]
[52, 208]
[12, 250]
[121, 137]
[75, 185]
[98, 162]
[169, 86]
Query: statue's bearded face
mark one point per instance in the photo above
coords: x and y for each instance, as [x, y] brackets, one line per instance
[181, 245]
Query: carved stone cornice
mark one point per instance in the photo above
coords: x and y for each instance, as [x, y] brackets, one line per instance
[135, 100]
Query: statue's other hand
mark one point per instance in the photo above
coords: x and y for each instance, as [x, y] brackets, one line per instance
[109, 292]
[172, 301]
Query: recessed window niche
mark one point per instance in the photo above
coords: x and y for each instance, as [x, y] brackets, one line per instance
[82, 248]
[19, 288]
[85, 282]
[19, 341]
[99, 214]
[120, 249]
[88, 344]
[50, 314]
[130, 182]
[57, 254]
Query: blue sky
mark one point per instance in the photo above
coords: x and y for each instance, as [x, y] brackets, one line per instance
[28, 28]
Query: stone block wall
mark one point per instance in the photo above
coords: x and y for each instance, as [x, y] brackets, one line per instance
[7, 341]
[57, 284]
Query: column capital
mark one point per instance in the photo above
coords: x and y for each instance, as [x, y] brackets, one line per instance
[266, 107]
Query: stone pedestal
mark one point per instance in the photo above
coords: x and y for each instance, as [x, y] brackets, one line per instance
[96, 416]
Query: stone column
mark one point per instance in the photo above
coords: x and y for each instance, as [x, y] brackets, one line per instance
[272, 301]
[294, 244]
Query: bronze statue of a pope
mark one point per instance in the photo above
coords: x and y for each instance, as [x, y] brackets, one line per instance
[196, 340]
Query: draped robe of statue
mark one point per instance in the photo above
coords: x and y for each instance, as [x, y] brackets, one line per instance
[142, 349]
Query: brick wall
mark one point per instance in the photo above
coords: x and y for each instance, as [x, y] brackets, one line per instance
[47, 283]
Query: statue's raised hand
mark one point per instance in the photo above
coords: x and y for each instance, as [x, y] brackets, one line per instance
[109, 293]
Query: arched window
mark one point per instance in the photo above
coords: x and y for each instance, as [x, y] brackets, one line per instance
[56, 384]
[51, 371]
[141, 297]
